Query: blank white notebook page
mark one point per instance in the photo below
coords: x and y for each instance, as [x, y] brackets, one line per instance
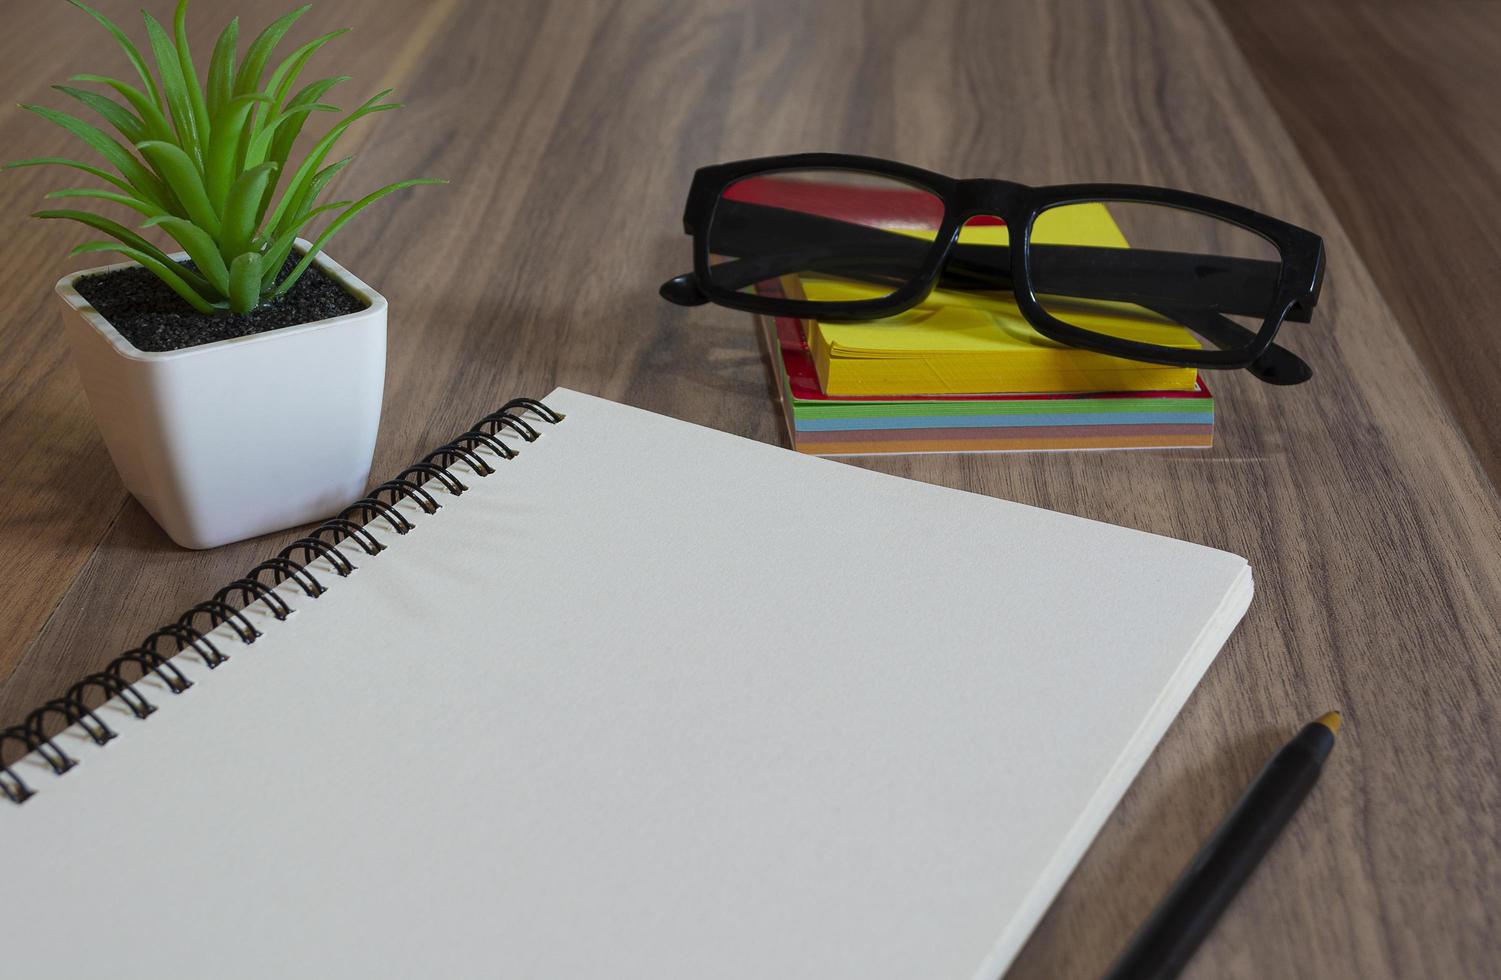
[651, 701]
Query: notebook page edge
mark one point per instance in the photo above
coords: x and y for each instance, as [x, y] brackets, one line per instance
[1128, 766]
[879, 477]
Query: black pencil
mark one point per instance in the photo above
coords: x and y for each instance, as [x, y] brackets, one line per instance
[1166, 941]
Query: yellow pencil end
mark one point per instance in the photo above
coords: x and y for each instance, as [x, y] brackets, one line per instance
[1331, 721]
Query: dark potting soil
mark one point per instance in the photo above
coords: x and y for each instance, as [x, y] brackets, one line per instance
[154, 318]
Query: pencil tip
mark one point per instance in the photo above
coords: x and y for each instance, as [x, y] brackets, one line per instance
[1331, 721]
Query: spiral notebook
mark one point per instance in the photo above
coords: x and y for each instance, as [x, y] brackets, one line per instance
[592, 692]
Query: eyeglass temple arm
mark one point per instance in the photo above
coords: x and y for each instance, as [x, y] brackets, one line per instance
[1276, 365]
[1092, 273]
[1225, 284]
[830, 259]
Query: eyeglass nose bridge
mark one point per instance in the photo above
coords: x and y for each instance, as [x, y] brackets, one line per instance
[998, 198]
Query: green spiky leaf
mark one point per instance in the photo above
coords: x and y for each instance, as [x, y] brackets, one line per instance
[110, 111]
[168, 272]
[245, 282]
[241, 209]
[100, 223]
[179, 103]
[115, 197]
[189, 73]
[285, 75]
[278, 250]
[321, 178]
[181, 174]
[139, 63]
[75, 165]
[294, 118]
[259, 52]
[293, 198]
[156, 124]
[340, 221]
[200, 247]
[260, 145]
[221, 68]
[120, 158]
[282, 246]
[221, 164]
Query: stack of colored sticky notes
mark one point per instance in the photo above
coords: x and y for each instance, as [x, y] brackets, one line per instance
[845, 425]
[965, 372]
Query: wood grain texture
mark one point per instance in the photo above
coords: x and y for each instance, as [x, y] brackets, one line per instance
[1393, 107]
[570, 132]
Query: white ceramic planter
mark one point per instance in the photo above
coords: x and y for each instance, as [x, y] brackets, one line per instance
[241, 437]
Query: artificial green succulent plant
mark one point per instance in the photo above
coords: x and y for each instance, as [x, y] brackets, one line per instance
[204, 162]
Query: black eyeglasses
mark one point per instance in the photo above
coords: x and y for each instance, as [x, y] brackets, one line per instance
[1139, 272]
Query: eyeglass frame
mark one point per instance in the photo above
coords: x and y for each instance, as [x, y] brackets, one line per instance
[1300, 277]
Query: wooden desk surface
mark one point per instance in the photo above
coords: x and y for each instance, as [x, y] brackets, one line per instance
[570, 131]
[1393, 106]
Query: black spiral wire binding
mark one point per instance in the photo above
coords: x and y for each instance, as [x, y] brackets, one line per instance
[250, 590]
[446, 455]
[280, 569]
[370, 508]
[496, 421]
[421, 472]
[36, 733]
[405, 488]
[220, 612]
[349, 530]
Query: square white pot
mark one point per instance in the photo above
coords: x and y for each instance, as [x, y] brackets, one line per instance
[241, 437]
